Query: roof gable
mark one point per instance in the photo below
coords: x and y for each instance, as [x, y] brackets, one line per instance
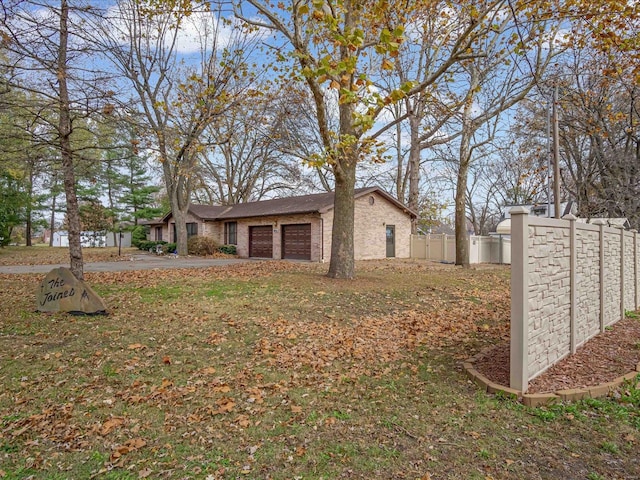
[208, 212]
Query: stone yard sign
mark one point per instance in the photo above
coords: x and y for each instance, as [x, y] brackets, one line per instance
[61, 291]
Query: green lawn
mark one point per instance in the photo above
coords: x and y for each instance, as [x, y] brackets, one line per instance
[274, 371]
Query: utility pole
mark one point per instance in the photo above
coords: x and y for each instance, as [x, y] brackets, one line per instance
[556, 155]
[549, 173]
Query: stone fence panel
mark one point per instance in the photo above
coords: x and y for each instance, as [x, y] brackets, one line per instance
[569, 280]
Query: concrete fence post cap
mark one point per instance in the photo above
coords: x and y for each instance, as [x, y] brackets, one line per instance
[599, 221]
[519, 211]
[570, 216]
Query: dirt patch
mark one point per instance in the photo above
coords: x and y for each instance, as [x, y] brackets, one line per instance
[604, 358]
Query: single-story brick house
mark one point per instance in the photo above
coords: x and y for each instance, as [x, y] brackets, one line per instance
[299, 227]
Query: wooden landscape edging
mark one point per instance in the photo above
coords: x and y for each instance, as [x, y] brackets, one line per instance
[540, 399]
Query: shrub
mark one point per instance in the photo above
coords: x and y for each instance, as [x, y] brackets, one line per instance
[201, 245]
[138, 235]
[143, 244]
[150, 245]
[228, 249]
[169, 247]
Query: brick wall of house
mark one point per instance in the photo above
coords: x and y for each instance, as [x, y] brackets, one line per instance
[214, 230]
[371, 220]
[204, 228]
[327, 228]
[277, 222]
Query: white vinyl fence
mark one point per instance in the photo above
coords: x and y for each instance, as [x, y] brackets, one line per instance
[442, 248]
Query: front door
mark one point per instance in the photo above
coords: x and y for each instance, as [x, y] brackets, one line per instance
[391, 241]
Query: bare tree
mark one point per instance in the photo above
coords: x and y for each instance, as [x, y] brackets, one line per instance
[178, 101]
[47, 59]
[599, 134]
[244, 159]
[500, 76]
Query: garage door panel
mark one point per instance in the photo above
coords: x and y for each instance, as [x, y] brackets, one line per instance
[261, 241]
[296, 241]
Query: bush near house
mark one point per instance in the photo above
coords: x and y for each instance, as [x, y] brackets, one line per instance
[138, 235]
[168, 248]
[228, 249]
[198, 245]
[201, 246]
[150, 245]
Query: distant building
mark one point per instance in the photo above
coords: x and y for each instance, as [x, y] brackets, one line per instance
[92, 239]
[540, 209]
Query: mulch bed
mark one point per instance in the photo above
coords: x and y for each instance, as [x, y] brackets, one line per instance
[602, 359]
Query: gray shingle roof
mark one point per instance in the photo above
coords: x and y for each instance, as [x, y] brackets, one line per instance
[318, 202]
[208, 212]
[314, 203]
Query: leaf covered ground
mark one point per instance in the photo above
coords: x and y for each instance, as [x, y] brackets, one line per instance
[274, 371]
[44, 255]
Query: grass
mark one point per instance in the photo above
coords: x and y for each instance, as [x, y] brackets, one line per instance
[274, 371]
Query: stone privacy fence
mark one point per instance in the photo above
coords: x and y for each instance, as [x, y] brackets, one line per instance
[442, 248]
[569, 281]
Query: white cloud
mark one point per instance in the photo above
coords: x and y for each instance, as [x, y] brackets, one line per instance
[201, 31]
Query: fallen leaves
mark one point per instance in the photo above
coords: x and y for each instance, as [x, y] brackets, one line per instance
[110, 425]
[144, 473]
[225, 405]
[371, 341]
[171, 363]
[117, 455]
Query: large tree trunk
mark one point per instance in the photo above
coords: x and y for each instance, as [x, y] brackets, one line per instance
[462, 239]
[28, 229]
[414, 170]
[179, 200]
[342, 263]
[401, 184]
[180, 217]
[64, 126]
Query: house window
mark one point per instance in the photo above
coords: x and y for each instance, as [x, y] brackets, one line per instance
[231, 233]
[192, 229]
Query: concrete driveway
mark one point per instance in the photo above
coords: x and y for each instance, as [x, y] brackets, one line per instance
[137, 262]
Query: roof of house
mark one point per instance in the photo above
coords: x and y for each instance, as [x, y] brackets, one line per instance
[314, 203]
[208, 212]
